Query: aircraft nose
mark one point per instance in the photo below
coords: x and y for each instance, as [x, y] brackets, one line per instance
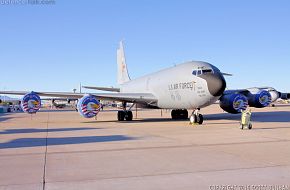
[216, 83]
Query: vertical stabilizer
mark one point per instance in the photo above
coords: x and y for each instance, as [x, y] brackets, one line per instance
[123, 75]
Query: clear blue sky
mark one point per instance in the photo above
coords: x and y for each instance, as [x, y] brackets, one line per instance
[55, 47]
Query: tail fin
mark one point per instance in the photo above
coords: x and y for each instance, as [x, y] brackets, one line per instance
[123, 75]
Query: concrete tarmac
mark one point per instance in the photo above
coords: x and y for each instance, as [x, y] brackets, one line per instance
[61, 150]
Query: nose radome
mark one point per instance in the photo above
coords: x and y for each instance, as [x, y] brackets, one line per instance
[216, 83]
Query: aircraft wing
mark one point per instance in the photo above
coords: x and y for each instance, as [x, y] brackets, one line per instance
[242, 91]
[110, 89]
[128, 97]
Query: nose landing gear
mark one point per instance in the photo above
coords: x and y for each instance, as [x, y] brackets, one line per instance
[196, 117]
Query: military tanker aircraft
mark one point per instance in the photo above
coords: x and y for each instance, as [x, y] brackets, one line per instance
[188, 86]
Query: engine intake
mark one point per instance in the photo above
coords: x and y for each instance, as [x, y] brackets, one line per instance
[88, 106]
[233, 103]
[30, 103]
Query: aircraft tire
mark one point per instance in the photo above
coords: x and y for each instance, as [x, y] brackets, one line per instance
[179, 114]
[129, 116]
[200, 119]
[192, 119]
[183, 114]
[121, 115]
[174, 114]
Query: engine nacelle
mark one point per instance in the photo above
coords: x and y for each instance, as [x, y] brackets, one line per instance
[88, 106]
[274, 95]
[30, 103]
[233, 103]
[260, 99]
[285, 96]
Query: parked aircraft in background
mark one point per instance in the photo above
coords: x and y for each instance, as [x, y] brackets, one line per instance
[58, 105]
[191, 85]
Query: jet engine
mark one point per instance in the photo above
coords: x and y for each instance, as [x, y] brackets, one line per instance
[274, 95]
[273, 92]
[30, 103]
[233, 103]
[88, 106]
[260, 99]
[285, 96]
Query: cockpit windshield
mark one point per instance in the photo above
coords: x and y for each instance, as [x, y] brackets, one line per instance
[198, 72]
[205, 71]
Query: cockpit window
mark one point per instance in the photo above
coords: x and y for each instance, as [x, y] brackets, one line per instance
[198, 72]
[205, 71]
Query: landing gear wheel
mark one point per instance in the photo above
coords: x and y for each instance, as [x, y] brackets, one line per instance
[200, 119]
[121, 115]
[129, 116]
[196, 118]
[183, 114]
[174, 114]
[179, 114]
[192, 119]
[125, 115]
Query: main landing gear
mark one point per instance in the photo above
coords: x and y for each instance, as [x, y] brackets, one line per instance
[125, 114]
[196, 117]
[179, 114]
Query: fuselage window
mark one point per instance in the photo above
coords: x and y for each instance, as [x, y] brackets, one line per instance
[194, 72]
[199, 72]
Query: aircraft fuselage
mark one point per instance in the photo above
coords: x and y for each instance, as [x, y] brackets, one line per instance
[181, 87]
